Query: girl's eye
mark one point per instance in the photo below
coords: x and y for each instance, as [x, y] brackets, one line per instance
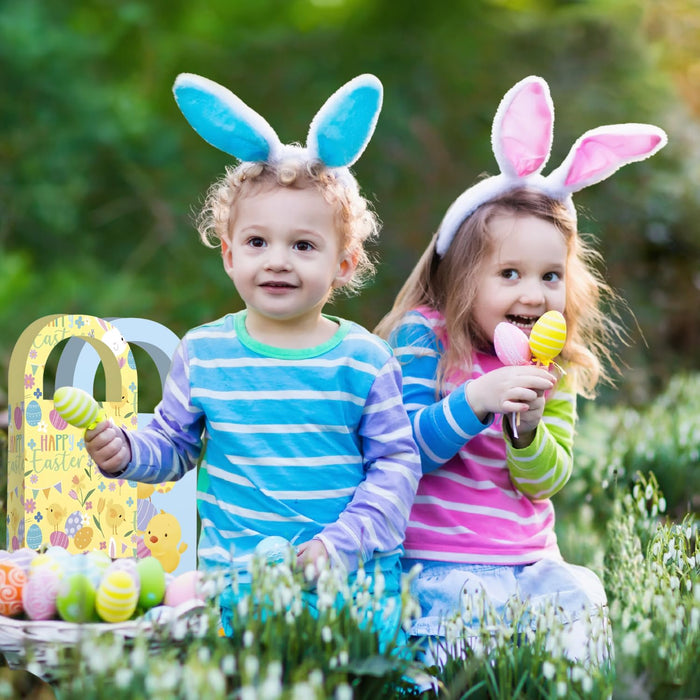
[303, 246]
[256, 242]
[552, 277]
[510, 274]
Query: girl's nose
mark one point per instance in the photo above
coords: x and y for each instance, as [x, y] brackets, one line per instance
[532, 293]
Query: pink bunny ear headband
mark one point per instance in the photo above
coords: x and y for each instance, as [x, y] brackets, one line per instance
[338, 133]
[521, 138]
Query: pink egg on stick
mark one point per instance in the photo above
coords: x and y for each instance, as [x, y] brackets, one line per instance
[512, 348]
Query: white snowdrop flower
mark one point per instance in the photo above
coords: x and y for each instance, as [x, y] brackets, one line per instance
[302, 691]
[203, 654]
[326, 634]
[228, 664]
[139, 657]
[216, 682]
[674, 582]
[587, 684]
[316, 678]
[248, 639]
[662, 504]
[271, 689]
[562, 689]
[548, 670]
[248, 692]
[343, 657]
[242, 606]
[332, 662]
[251, 665]
[630, 644]
[123, 677]
[310, 572]
[343, 692]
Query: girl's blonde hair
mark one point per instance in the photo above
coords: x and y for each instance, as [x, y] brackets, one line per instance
[355, 220]
[449, 284]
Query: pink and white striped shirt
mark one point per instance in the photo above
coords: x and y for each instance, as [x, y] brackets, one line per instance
[479, 500]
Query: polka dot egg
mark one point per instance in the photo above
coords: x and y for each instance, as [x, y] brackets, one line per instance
[116, 597]
[12, 582]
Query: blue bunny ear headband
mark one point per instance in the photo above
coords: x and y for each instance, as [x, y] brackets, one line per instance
[337, 136]
[521, 138]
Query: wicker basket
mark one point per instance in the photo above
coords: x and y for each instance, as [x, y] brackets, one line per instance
[25, 641]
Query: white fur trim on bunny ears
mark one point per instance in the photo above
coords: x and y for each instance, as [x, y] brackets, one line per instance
[338, 134]
[521, 138]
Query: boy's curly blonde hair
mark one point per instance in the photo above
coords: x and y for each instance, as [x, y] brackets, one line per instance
[356, 221]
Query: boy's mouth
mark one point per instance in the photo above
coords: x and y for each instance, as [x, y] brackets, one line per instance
[278, 285]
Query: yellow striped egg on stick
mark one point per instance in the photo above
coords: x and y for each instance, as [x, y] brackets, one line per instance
[548, 337]
[77, 407]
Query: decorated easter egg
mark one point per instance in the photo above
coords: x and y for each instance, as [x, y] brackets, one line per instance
[34, 536]
[145, 510]
[12, 582]
[56, 420]
[128, 565]
[18, 417]
[184, 587]
[75, 600]
[511, 344]
[33, 413]
[152, 577]
[83, 537]
[44, 560]
[24, 557]
[548, 337]
[273, 549]
[40, 592]
[59, 539]
[59, 554]
[117, 597]
[73, 523]
[76, 406]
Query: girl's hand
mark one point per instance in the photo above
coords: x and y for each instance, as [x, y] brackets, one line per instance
[516, 389]
[312, 552]
[109, 448]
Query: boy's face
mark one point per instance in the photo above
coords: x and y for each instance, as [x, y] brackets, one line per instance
[523, 275]
[284, 255]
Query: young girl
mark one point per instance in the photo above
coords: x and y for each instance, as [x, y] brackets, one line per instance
[507, 250]
[295, 415]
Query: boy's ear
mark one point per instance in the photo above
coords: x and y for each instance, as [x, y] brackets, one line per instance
[346, 269]
[226, 254]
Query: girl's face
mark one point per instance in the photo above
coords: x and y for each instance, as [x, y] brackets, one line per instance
[284, 256]
[524, 274]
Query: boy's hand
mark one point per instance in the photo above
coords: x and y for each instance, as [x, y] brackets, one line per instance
[312, 552]
[109, 448]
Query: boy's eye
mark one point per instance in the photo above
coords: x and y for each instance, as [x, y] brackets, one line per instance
[303, 246]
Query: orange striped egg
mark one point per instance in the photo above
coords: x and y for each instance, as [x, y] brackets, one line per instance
[117, 596]
[548, 337]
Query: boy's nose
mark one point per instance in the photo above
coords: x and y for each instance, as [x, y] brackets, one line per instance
[277, 259]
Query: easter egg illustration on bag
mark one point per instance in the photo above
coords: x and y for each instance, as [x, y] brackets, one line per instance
[548, 337]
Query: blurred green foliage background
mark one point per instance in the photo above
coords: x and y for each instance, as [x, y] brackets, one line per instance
[100, 174]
